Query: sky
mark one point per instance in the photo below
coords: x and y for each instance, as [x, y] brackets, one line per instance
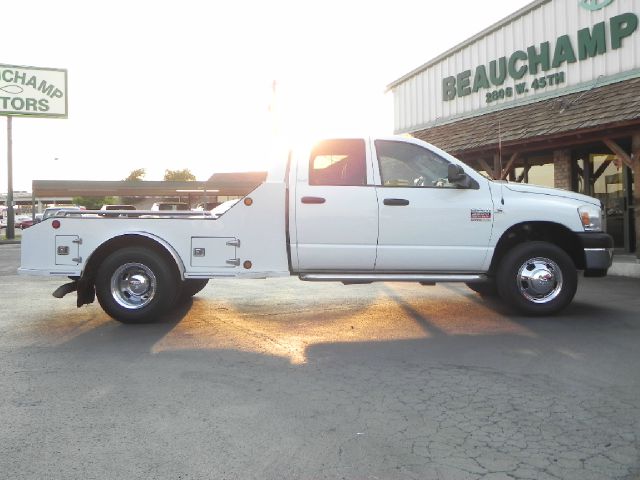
[189, 84]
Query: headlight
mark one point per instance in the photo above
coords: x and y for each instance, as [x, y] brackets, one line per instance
[591, 218]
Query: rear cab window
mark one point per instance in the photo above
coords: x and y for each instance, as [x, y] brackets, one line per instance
[338, 163]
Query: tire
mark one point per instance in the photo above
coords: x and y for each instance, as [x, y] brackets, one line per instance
[537, 278]
[136, 285]
[487, 289]
[190, 287]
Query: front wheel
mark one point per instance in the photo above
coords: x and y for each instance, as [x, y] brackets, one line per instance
[537, 278]
[136, 285]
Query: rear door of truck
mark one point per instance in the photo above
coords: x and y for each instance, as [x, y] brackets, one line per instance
[336, 207]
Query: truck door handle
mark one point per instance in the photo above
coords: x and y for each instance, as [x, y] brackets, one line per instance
[396, 202]
[313, 200]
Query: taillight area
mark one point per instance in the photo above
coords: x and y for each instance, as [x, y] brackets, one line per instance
[55, 224]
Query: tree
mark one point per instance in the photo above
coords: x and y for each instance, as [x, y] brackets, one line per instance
[136, 175]
[93, 203]
[183, 175]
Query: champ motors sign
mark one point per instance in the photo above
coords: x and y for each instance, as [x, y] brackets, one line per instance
[33, 91]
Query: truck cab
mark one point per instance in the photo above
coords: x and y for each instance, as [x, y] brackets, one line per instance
[386, 205]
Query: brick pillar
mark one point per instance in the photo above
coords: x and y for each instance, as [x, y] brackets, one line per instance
[562, 169]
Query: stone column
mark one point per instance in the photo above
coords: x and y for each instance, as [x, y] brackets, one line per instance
[562, 169]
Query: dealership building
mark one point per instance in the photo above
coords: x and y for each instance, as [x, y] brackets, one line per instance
[550, 95]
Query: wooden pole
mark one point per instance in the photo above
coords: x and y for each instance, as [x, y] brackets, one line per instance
[483, 164]
[619, 151]
[635, 157]
[509, 167]
[497, 166]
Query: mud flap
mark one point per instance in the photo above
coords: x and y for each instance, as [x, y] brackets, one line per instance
[86, 292]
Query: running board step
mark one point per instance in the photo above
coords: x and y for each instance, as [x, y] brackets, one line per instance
[356, 278]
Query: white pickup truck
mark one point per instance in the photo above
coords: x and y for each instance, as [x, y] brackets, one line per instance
[354, 210]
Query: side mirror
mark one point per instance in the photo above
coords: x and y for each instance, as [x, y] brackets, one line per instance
[455, 173]
[457, 176]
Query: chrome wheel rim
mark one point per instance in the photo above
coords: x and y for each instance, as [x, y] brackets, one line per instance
[133, 286]
[539, 280]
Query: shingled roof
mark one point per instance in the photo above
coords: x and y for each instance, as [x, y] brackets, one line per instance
[607, 106]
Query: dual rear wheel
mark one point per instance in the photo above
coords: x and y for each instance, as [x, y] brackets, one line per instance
[138, 285]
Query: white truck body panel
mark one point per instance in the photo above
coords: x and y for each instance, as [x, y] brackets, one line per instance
[340, 234]
[260, 228]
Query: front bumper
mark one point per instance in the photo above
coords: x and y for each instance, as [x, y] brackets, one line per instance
[598, 253]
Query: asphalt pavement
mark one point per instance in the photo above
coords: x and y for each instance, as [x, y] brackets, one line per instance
[280, 379]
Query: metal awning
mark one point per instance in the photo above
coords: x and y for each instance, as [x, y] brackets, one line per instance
[607, 111]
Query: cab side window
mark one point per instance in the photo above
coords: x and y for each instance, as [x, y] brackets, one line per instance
[338, 163]
[408, 165]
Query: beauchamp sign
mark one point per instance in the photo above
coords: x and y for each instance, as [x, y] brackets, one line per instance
[542, 58]
[33, 91]
[548, 49]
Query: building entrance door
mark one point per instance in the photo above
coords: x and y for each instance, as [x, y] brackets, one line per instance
[607, 178]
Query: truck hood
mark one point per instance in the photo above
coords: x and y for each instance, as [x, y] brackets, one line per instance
[554, 192]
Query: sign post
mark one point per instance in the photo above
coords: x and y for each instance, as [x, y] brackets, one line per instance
[28, 92]
[10, 212]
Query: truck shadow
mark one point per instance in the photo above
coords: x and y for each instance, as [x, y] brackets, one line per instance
[90, 328]
[385, 314]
